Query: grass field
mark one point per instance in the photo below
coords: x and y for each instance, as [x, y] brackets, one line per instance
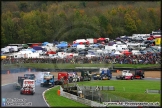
[129, 89]
[55, 100]
[72, 66]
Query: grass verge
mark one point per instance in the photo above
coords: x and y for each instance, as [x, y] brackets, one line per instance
[55, 100]
[72, 66]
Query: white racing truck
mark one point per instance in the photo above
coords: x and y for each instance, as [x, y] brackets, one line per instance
[126, 75]
[47, 80]
[73, 77]
[28, 87]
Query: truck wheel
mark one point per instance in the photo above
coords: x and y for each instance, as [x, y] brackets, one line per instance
[32, 93]
[140, 77]
[41, 85]
[131, 78]
[109, 78]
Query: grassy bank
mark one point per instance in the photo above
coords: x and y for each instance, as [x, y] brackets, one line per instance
[55, 100]
[72, 66]
[133, 90]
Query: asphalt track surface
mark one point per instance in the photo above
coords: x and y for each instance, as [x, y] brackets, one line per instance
[36, 100]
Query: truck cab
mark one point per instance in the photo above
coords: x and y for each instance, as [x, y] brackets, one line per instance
[105, 73]
[30, 76]
[62, 78]
[48, 80]
[28, 87]
[73, 77]
[85, 75]
[126, 74]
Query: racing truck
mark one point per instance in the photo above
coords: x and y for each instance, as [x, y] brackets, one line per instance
[28, 87]
[85, 75]
[62, 77]
[104, 74]
[47, 80]
[128, 74]
[138, 74]
[73, 77]
[19, 84]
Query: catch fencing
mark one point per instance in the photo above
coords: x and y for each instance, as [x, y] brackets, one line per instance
[94, 95]
[80, 100]
[102, 94]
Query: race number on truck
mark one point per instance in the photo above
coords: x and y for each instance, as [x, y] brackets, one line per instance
[29, 82]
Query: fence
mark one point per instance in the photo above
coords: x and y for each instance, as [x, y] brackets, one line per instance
[79, 99]
[101, 94]
[94, 96]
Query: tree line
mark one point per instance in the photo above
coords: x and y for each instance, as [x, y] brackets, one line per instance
[27, 21]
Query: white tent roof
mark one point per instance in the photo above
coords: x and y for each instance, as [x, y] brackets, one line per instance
[118, 53]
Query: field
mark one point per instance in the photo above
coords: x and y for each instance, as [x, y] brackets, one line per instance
[133, 90]
[72, 66]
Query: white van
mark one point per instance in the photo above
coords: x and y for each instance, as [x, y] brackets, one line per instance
[81, 47]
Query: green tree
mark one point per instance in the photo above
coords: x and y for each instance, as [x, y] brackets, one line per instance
[130, 24]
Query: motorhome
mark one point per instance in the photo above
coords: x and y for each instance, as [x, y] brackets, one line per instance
[140, 36]
[79, 47]
[81, 41]
[116, 47]
[91, 40]
[5, 50]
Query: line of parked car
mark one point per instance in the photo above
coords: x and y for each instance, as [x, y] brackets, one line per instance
[136, 44]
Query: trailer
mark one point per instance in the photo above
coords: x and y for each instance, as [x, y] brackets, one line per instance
[28, 87]
[47, 80]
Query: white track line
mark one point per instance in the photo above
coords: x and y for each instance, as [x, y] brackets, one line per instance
[44, 97]
[8, 84]
[157, 78]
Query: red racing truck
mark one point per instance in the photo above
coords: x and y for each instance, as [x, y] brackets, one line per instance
[62, 78]
[28, 87]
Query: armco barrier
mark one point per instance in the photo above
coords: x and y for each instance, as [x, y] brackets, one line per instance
[79, 99]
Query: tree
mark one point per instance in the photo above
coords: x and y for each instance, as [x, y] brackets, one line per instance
[130, 25]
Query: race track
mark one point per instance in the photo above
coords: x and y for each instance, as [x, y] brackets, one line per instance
[36, 100]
